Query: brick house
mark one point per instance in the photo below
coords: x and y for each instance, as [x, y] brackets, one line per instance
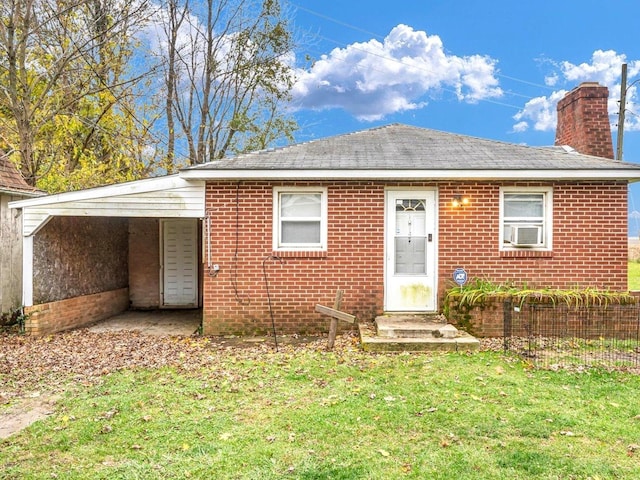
[385, 214]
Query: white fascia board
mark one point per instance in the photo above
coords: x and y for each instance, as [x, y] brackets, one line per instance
[20, 193]
[128, 188]
[631, 175]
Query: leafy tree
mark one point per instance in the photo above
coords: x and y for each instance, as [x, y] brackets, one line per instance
[75, 107]
[67, 98]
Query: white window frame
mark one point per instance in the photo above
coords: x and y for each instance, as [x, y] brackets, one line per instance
[547, 221]
[278, 245]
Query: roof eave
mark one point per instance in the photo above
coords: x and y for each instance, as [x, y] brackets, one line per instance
[630, 175]
[21, 193]
[135, 186]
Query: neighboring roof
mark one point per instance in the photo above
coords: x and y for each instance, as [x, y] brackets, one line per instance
[11, 180]
[406, 152]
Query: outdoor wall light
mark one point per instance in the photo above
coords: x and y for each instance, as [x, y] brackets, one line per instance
[459, 201]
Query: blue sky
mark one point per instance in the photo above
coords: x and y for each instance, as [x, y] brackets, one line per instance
[492, 69]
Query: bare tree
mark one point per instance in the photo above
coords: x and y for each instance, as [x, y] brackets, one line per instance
[227, 76]
[172, 23]
[77, 110]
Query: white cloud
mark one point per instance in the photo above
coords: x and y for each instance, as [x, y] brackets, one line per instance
[551, 80]
[521, 127]
[374, 79]
[604, 67]
[539, 112]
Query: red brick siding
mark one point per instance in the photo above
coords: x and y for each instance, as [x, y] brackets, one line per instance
[144, 263]
[589, 240]
[485, 321]
[583, 120]
[353, 261]
[75, 312]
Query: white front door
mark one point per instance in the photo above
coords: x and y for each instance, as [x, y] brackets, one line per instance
[410, 250]
[179, 255]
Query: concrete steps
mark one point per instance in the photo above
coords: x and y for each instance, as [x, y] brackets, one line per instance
[414, 333]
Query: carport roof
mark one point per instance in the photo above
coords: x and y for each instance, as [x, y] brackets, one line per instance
[163, 197]
[405, 152]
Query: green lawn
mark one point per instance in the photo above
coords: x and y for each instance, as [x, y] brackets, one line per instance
[310, 414]
[634, 275]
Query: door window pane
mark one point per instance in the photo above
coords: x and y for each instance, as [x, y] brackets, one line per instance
[410, 239]
[411, 256]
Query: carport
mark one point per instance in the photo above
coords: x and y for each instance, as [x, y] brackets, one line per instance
[152, 322]
[91, 254]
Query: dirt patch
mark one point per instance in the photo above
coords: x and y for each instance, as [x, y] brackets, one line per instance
[24, 412]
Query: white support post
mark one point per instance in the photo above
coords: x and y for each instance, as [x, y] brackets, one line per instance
[27, 271]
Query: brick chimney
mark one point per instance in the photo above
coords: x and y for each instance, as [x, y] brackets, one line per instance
[583, 120]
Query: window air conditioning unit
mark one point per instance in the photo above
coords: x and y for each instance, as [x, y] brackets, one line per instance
[526, 236]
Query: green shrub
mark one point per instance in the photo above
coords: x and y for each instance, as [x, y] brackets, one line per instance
[13, 318]
[460, 302]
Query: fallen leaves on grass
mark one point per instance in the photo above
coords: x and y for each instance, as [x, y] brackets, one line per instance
[53, 362]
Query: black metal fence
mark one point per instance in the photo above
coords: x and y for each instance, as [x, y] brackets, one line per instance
[561, 335]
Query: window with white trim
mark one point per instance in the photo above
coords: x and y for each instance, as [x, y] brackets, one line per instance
[525, 218]
[300, 218]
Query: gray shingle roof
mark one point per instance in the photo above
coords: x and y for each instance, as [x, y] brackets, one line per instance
[403, 147]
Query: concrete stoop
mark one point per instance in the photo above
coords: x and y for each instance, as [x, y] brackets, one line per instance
[414, 333]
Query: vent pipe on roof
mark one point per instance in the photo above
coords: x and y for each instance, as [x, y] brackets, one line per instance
[583, 120]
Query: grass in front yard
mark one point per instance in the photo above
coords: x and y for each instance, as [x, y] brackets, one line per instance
[343, 415]
[633, 273]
